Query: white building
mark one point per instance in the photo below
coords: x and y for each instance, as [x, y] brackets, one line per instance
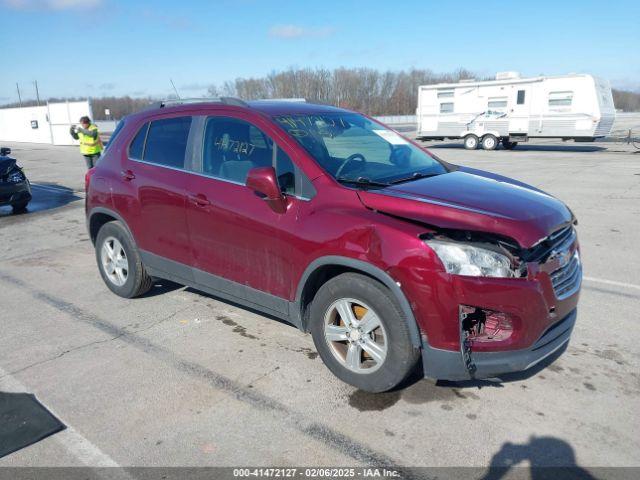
[45, 124]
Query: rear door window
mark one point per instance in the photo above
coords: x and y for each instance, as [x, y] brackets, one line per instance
[166, 142]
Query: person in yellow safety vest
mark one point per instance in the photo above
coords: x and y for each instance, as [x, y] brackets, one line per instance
[90, 143]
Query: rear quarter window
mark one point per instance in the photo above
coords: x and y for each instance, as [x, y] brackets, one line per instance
[114, 135]
[136, 148]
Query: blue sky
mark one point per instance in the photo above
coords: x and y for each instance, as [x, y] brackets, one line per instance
[113, 47]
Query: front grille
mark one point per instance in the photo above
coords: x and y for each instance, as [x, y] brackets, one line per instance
[558, 241]
[566, 280]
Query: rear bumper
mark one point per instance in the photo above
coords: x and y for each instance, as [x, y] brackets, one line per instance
[11, 193]
[449, 365]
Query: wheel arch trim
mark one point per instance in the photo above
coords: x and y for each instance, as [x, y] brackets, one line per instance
[371, 270]
[111, 213]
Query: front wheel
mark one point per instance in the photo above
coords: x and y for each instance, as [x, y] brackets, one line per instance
[361, 334]
[20, 207]
[119, 262]
[470, 142]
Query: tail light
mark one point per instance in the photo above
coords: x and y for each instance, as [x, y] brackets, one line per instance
[87, 178]
[484, 326]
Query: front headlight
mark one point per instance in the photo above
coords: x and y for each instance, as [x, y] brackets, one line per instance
[465, 259]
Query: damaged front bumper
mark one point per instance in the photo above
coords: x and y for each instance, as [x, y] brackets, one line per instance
[450, 365]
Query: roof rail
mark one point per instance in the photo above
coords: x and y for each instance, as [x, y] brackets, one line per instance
[296, 100]
[181, 101]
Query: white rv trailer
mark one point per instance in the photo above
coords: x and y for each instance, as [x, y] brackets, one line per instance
[511, 109]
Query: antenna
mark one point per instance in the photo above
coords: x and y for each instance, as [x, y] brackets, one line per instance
[35, 82]
[175, 89]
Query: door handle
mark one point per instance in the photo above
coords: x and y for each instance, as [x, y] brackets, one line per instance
[127, 175]
[199, 200]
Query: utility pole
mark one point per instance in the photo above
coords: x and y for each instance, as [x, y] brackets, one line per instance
[19, 97]
[35, 82]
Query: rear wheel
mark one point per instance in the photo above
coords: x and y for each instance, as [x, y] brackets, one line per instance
[509, 145]
[119, 262]
[360, 333]
[489, 142]
[471, 142]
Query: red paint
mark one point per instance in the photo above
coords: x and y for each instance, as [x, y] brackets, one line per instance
[231, 230]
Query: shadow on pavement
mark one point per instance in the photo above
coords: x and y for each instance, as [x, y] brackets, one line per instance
[417, 390]
[239, 305]
[46, 196]
[548, 458]
[162, 286]
[528, 148]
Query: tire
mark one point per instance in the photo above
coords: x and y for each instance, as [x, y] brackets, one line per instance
[127, 283]
[489, 142]
[19, 207]
[363, 295]
[471, 142]
[509, 145]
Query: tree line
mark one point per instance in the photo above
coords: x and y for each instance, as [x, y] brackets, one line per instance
[363, 89]
[366, 90]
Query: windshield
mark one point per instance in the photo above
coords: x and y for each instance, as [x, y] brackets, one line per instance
[353, 148]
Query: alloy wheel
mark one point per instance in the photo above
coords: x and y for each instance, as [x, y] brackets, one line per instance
[114, 261]
[355, 335]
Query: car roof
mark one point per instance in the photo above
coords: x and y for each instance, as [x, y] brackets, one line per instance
[266, 107]
[284, 107]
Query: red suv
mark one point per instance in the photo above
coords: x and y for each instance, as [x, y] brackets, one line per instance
[337, 224]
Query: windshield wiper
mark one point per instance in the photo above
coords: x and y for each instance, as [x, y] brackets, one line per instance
[364, 181]
[414, 176]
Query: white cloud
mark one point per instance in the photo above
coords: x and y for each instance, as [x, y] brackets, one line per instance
[297, 31]
[52, 4]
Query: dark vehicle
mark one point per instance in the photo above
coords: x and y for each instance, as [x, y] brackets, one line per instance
[339, 225]
[15, 189]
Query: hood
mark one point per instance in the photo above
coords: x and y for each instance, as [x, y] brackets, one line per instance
[6, 165]
[470, 199]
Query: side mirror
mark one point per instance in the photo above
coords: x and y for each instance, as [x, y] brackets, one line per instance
[264, 182]
[5, 151]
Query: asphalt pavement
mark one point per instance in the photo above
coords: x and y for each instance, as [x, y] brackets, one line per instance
[181, 378]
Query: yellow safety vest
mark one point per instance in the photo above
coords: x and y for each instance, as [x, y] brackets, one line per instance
[88, 145]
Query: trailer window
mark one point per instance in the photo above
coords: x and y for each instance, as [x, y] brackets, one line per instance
[445, 94]
[446, 107]
[497, 102]
[560, 99]
[521, 94]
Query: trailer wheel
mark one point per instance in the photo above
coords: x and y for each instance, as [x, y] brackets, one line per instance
[509, 145]
[489, 142]
[470, 142]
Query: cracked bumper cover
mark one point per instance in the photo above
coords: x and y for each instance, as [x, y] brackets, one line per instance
[449, 365]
